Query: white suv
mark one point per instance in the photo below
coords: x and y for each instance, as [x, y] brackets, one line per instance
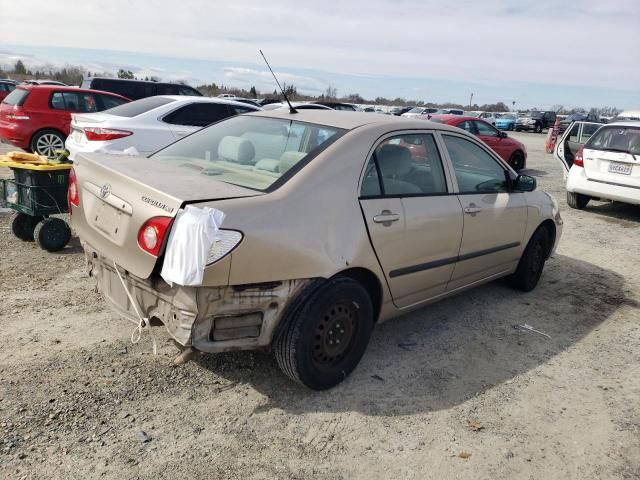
[601, 162]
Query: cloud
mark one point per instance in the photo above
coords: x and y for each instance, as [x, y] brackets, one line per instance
[263, 80]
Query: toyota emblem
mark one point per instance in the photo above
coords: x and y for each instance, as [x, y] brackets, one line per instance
[105, 190]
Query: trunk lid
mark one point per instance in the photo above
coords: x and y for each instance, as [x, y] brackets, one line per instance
[615, 156]
[118, 194]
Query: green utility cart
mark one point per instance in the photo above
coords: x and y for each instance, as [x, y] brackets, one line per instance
[36, 192]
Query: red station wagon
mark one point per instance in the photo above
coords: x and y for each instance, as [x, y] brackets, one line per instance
[37, 118]
[510, 149]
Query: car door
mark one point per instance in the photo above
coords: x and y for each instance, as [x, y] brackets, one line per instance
[573, 138]
[413, 218]
[494, 217]
[491, 136]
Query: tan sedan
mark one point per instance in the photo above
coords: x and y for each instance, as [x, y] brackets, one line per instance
[334, 222]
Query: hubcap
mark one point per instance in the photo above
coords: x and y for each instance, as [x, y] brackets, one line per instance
[334, 335]
[48, 143]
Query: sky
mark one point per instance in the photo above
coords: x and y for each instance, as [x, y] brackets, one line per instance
[576, 53]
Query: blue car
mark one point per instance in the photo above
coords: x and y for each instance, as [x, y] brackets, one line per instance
[506, 122]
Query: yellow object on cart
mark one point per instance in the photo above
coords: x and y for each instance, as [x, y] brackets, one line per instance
[6, 161]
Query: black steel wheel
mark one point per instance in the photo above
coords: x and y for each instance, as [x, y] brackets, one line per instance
[23, 225]
[52, 234]
[326, 338]
[517, 161]
[532, 262]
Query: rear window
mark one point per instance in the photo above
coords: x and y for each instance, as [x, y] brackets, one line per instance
[133, 109]
[17, 97]
[259, 153]
[616, 139]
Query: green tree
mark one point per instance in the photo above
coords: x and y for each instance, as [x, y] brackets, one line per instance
[127, 74]
[253, 92]
[19, 68]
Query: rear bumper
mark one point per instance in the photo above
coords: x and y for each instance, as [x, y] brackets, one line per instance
[209, 319]
[15, 134]
[577, 182]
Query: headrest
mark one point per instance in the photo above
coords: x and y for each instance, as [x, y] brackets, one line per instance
[289, 159]
[394, 160]
[268, 164]
[236, 149]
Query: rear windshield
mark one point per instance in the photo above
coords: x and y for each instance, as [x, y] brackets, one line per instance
[259, 153]
[616, 139]
[17, 97]
[133, 109]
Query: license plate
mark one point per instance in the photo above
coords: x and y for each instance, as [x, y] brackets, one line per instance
[107, 219]
[621, 168]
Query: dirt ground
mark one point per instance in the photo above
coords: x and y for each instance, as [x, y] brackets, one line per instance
[450, 391]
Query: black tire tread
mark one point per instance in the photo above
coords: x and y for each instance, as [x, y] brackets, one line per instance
[48, 222]
[519, 279]
[577, 200]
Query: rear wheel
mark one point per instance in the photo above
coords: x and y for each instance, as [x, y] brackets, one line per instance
[22, 226]
[577, 200]
[327, 336]
[538, 128]
[532, 262]
[517, 161]
[46, 142]
[52, 234]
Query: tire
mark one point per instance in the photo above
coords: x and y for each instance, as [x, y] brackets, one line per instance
[52, 234]
[337, 313]
[23, 225]
[518, 129]
[577, 200]
[538, 128]
[517, 161]
[532, 262]
[47, 141]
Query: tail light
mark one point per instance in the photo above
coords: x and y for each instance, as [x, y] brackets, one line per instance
[152, 234]
[578, 161]
[104, 134]
[17, 114]
[73, 196]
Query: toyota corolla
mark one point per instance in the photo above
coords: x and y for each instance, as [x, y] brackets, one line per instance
[333, 224]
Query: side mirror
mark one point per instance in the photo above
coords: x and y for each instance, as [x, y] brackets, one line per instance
[502, 134]
[525, 183]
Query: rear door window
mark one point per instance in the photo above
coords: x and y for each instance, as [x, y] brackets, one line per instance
[198, 114]
[237, 109]
[74, 102]
[106, 102]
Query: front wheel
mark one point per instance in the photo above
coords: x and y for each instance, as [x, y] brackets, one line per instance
[532, 262]
[577, 200]
[327, 336]
[517, 161]
[538, 128]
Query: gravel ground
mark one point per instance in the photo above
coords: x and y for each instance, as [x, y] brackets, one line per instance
[450, 391]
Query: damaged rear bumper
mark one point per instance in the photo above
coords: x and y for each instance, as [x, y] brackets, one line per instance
[209, 319]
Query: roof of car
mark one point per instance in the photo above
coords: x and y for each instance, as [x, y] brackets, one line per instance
[60, 88]
[446, 117]
[624, 123]
[351, 120]
[196, 98]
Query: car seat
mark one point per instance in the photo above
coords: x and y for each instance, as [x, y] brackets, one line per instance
[237, 150]
[395, 164]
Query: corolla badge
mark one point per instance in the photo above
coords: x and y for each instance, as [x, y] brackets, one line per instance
[105, 190]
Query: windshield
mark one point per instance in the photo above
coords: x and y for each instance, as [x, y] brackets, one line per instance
[508, 116]
[537, 114]
[416, 110]
[252, 152]
[616, 139]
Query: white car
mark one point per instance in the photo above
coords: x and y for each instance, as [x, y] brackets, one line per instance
[601, 162]
[148, 124]
[417, 111]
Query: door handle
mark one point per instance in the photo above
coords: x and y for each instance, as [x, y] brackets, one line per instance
[386, 218]
[472, 209]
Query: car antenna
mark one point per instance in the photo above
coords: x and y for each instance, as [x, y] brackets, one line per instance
[291, 109]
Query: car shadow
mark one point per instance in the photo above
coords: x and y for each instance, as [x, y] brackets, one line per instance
[615, 211]
[533, 172]
[441, 355]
